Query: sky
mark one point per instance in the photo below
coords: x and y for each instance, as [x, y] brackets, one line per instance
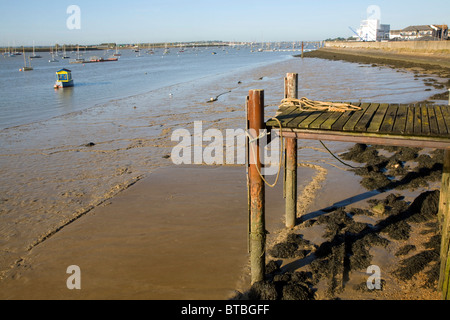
[46, 22]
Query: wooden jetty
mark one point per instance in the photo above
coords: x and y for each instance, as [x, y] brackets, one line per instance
[421, 125]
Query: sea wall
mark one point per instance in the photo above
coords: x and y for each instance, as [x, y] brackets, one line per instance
[401, 46]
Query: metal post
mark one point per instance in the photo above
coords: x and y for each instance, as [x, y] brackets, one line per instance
[291, 89]
[257, 188]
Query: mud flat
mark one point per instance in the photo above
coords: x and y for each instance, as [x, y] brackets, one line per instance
[423, 65]
[392, 227]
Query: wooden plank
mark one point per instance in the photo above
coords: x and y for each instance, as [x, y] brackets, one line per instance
[321, 119]
[417, 120]
[371, 138]
[375, 124]
[351, 123]
[443, 130]
[434, 129]
[284, 117]
[410, 120]
[312, 116]
[299, 118]
[331, 120]
[389, 119]
[425, 120]
[342, 120]
[367, 117]
[400, 119]
[446, 114]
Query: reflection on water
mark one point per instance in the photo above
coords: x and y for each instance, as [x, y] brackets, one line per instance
[65, 98]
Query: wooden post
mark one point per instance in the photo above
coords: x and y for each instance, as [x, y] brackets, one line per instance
[444, 220]
[257, 188]
[291, 89]
[302, 49]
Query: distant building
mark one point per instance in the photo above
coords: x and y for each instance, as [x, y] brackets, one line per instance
[373, 30]
[421, 32]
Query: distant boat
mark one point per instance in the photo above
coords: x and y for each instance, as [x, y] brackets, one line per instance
[63, 79]
[117, 54]
[53, 59]
[26, 67]
[34, 56]
[166, 50]
[65, 56]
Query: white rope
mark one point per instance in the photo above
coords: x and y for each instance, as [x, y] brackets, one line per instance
[255, 139]
[305, 104]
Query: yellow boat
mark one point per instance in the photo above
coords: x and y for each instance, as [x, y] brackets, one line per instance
[63, 79]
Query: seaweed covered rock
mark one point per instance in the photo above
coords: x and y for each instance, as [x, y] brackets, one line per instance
[263, 290]
[294, 247]
[425, 206]
[383, 172]
[284, 286]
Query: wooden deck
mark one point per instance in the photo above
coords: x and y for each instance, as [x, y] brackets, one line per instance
[377, 123]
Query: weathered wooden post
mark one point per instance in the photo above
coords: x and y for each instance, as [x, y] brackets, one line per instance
[444, 220]
[302, 49]
[291, 89]
[256, 123]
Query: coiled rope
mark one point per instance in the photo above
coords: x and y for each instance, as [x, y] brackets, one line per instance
[305, 104]
[252, 140]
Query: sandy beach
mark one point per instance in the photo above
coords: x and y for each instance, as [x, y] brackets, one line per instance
[142, 228]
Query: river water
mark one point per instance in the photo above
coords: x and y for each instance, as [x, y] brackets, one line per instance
[29, 96]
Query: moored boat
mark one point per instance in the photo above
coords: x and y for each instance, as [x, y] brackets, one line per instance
[63, 79]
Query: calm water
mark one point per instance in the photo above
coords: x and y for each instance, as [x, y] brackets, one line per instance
[29, 96]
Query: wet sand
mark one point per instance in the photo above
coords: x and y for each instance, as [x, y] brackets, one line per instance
[162, 238]
[423, 65]
[435, 63]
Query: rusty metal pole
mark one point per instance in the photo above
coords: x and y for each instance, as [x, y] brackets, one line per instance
[302, 49]
[257, 188]
[291, 91]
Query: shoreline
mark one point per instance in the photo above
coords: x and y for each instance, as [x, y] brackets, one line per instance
[421, 64]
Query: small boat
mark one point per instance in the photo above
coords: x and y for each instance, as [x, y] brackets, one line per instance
[96, 59]
[63, 79]
[117, 54]
[26, 67]
[35, 56]
[65, 56]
